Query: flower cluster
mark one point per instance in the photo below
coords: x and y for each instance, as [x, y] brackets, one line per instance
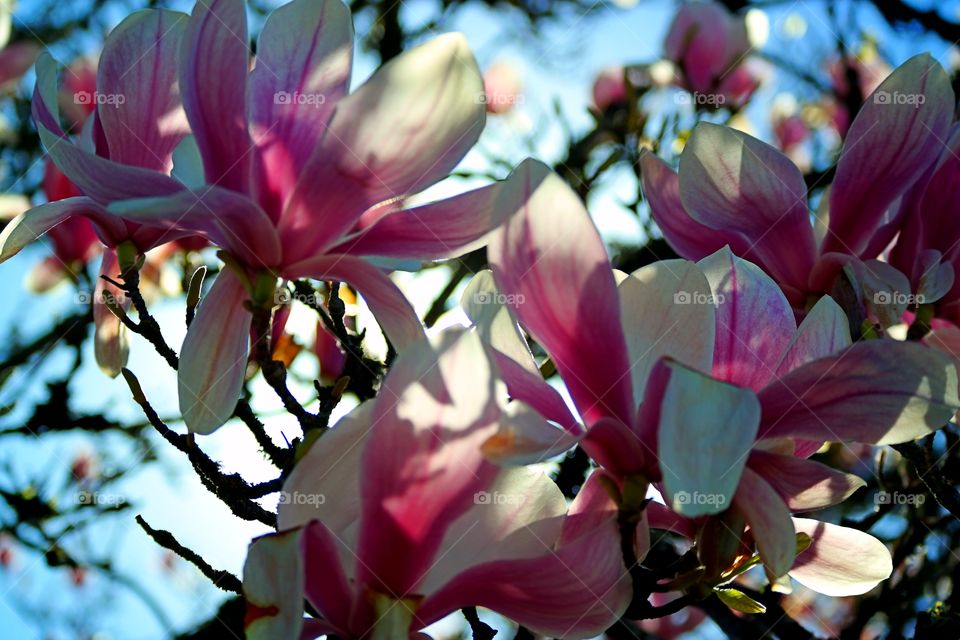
[699, 387]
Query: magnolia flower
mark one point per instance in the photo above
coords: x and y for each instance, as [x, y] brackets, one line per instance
[735, 190]
[302, 179]
[125, 150]
[709, 45]
[394, 519]
[610, 88]
[705, 374]
[502, 88]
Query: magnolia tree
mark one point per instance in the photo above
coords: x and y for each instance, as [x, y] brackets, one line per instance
[740, 424]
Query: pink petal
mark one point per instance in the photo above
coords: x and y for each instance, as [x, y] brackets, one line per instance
[214, 64]
[890, 144]
[550, 262]
[213, 358]
[731, 181]
[877, 392]
[576, 590]
[111, 348]
[803, 484]
[325, 584]
[824, 331]
[755, 323]
[884, 290]
[32, 224]
[666, 309]
[142, 117]
[525, 437]
[689, 238]
[436, 408]
[406, 128]
[707, 428]
[704, 39]
[661, 517]
[937, 277]
[443, 229]
[102, 179]
[620, 450]
[273, 587]
[392, 310]
[519, 515]
[229, 219]
[304, 55]
[769, 521]
[485, 307]
[530, 388]
[325, 484]
[840, 561]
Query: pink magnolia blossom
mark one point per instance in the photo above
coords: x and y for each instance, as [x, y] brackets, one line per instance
[74, 240]
[734, 190]
[610, 88]
[414, 523]
[302, 179]
[125, 150]
[502, 88]
[709, 45]
[705, 374]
